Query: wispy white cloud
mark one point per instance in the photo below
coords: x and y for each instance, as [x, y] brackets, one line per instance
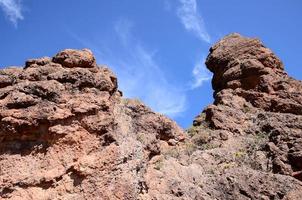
[12, 10]
[139, 74]
[141, 77]
[192, 19]
[200, 74]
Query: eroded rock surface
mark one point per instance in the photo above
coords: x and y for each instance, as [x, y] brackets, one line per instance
[256, 97]
[247, 145]
[255, 122]
[67, 133]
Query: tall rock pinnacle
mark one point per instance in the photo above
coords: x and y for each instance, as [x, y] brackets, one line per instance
[253, 95]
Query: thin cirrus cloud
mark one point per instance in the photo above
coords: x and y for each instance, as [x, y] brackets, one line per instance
[193, 22]
[192, 19]
[200, 74]
[13, 10]
[139, 75]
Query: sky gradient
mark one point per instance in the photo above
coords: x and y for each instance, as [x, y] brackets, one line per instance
[157, 48]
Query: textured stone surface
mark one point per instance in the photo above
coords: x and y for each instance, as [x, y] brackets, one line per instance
[254, 125]
[255, 96]
[67, 133]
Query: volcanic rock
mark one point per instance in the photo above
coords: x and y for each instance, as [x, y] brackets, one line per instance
[66, 132]
[255, 96]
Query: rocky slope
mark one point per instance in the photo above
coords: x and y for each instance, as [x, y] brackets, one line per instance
[67, 133]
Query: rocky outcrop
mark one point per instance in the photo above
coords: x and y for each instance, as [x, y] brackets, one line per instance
[255, 96]
[256, 116]
[67, 133]
[247, 144]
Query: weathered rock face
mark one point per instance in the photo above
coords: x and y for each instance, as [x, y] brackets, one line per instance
[247, 144]
[256, 117]
[253, 95]
[67, 133]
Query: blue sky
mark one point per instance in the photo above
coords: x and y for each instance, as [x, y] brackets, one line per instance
[157, 48]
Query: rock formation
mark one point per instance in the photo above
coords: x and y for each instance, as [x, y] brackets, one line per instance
[67, 133]
[256, 96]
